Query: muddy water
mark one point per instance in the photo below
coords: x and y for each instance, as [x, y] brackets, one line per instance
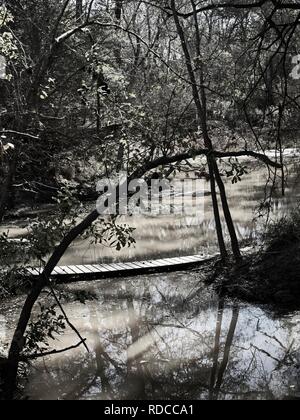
[175, 235]
[180, 235]
[170, 336]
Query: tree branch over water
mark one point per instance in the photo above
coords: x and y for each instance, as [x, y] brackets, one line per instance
[166, 160]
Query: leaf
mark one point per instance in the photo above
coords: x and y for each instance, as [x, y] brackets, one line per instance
[8, 146]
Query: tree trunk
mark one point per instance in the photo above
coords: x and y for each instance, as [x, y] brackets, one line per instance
[217, 217]
[79, 10]
[118, 10]
[6, 189]
[227, 214]
[118, 17]
[201, 105]
[17, 344]
[201, 110]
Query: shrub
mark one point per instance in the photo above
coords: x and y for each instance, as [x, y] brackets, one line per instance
[283, 233]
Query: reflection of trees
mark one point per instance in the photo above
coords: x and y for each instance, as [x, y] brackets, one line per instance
[135, 380]
[161, 340]
[216, 350]
[218, 372]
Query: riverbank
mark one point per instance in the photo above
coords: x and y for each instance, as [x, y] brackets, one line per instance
[269, 275]
[267, 280]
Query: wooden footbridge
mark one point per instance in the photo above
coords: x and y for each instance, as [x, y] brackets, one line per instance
[101, 271]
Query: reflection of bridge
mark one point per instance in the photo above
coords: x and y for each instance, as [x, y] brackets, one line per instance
[100, 271]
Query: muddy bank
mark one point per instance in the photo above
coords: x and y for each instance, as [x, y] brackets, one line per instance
[269, 278]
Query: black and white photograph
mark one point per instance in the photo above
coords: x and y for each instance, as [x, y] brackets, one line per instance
[149, 203]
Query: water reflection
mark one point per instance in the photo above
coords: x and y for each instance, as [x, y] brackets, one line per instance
[170, 337]
[218, 371]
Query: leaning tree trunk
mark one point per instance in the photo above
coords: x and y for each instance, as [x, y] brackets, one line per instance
[201, 111]
[18, 341]
[199, 96]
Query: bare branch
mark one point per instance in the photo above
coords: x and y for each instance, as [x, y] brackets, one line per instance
[67, 319]
[50, 353]
[18, 133]
[233, 5]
